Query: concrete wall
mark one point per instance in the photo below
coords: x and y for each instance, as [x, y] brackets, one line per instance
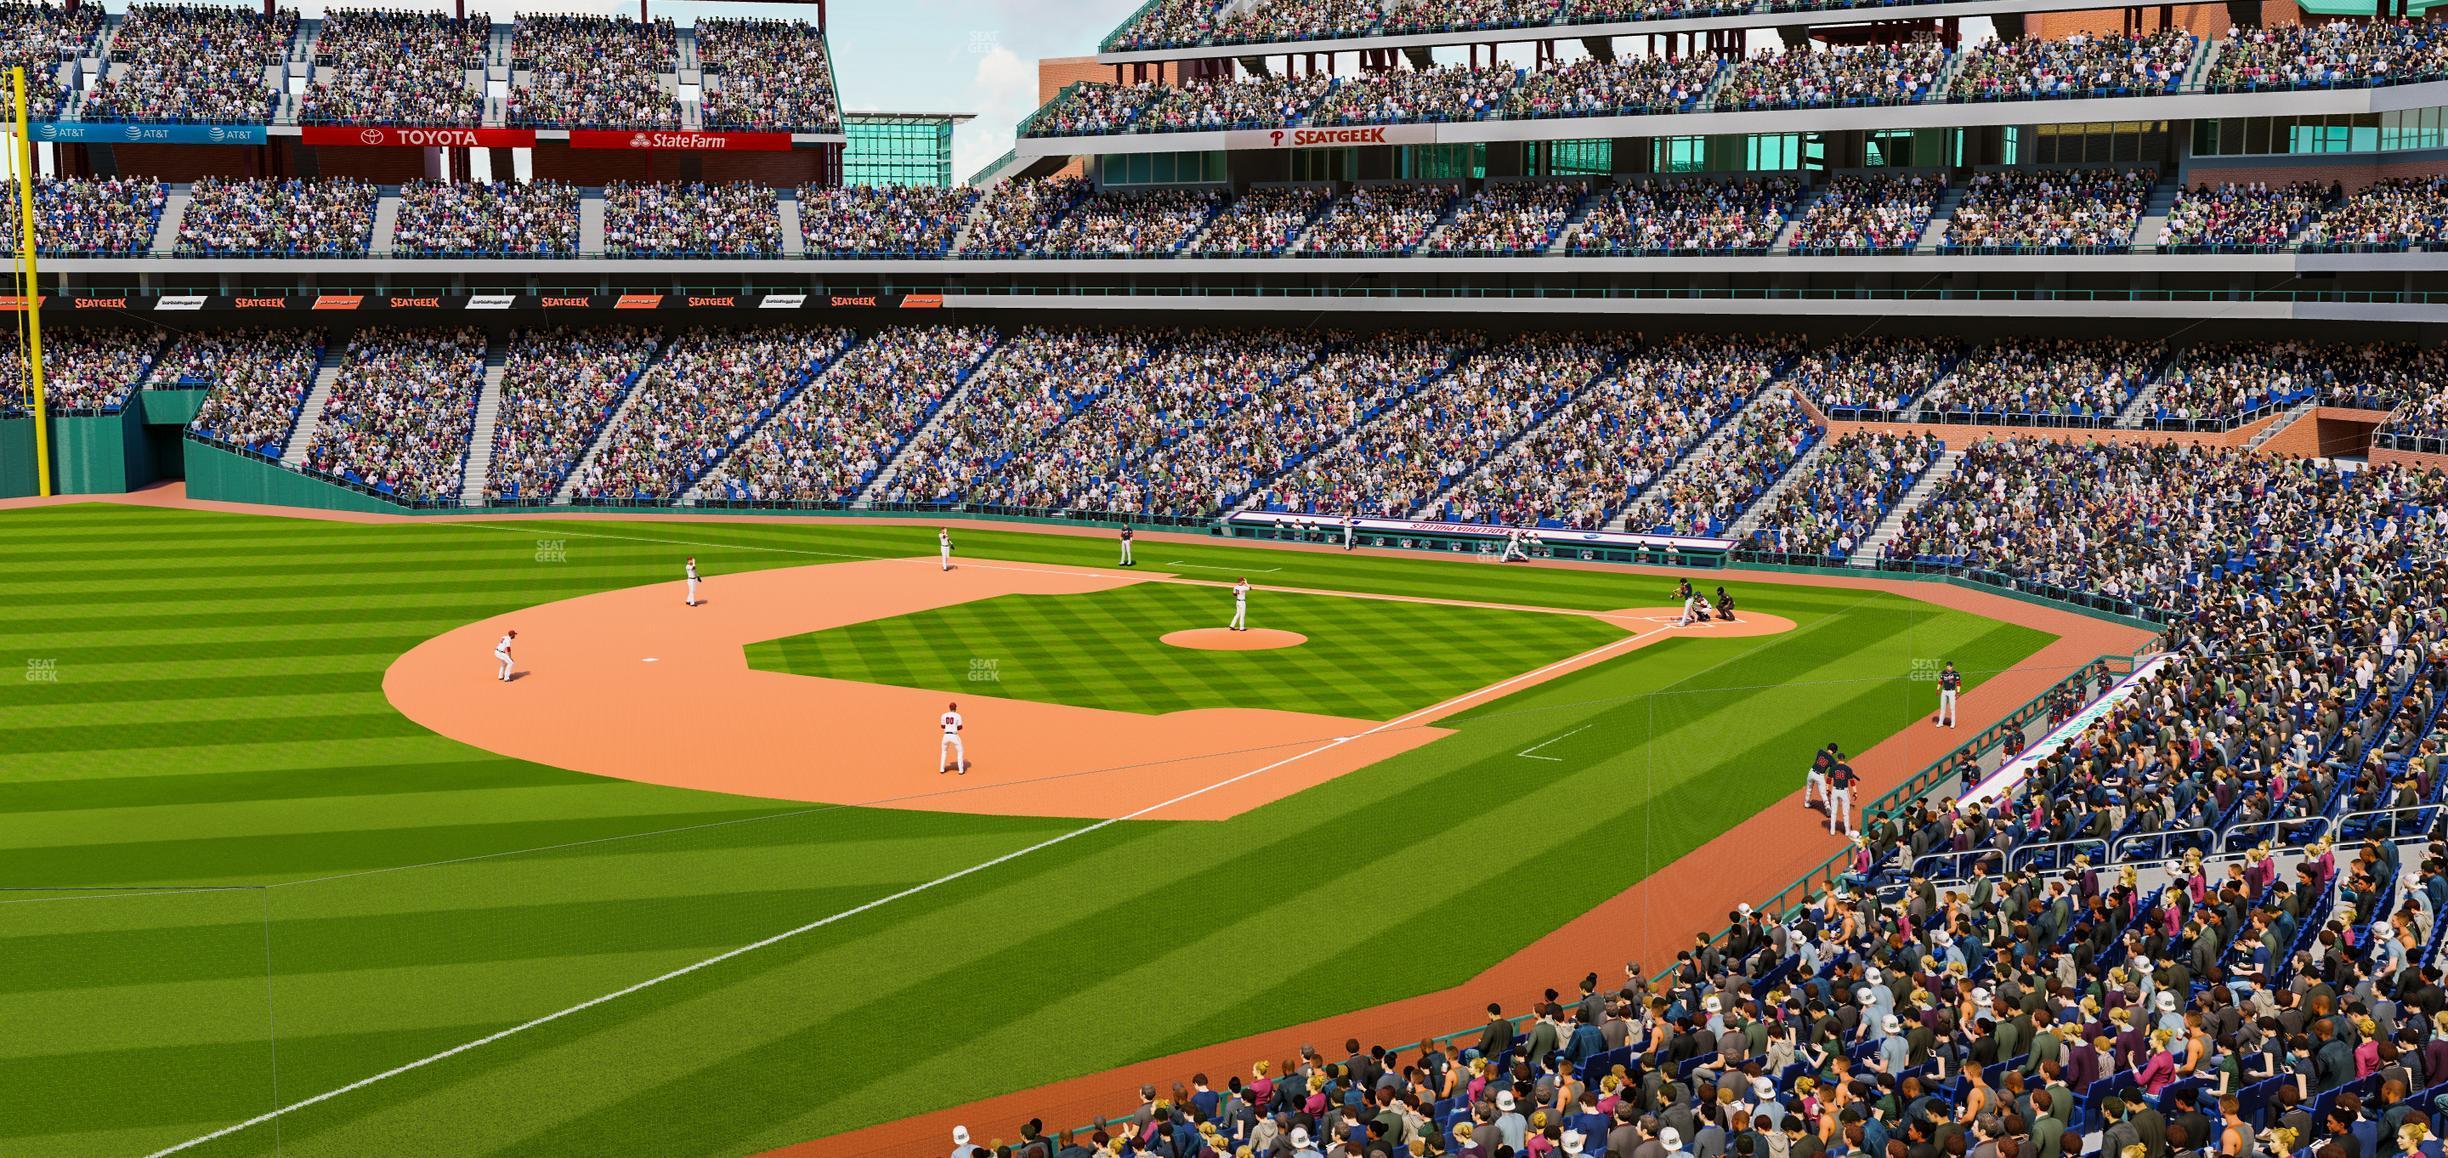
[17, 458]
[101, 455]
[214, 473]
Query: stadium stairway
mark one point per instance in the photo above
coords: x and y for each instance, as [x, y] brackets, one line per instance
[480, 443]
[794, 233]
[882, 481]
[1512, 448]
[2293, 415]
[1793, 220]
[310, 412]
[1700, 452]
[1888, 527]
[1940, 215]
[1580, 213]
[386, 219]
[1750, 518]
[591, 220]
[2154, 214]
[174, 213]
[781, 404]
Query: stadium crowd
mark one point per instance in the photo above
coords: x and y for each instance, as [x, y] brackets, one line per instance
[1131, 223]
[2089, 381]
[191, 63]
[1870, 377]
[1455, 15]
[1263, 221]
[2085, 64]
[1856, 214]
[1091, 108]
[1623, 87]
[328, 217]
[671, 219]
[2335, 54]
[486, 218]
[1377, 220]
[2227, 381]
[2049, 209]
[1213, 466]
[1727, 474]
[1398, 464]
[1686, 215]
[401, 412]
[1165, 24]
[1450, 92]
[593, 72]
[1035, 381]
[256, 382]
[558, 389]
[702, 397]
[2230, 216]
[775, 76]
[2391, 213]
[831, 440]
[1828, 510]
[1264, 20]
[1096, 460]
[883, 220]
[39, 38]
[86, 370]
[1802, 78]
[1621, 435]
[386, 67]
[86, 216]
[1014, 215]
[1509, 218]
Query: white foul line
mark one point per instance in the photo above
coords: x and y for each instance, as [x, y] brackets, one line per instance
[880, 902]
[1525, 753]
[1206, 567]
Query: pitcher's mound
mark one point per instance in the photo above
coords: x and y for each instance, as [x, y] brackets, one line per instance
[1226, 639]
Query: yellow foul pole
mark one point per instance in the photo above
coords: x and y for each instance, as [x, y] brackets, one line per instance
[29, 282]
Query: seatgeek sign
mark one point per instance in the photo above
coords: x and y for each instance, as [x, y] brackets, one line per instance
[1321, 138]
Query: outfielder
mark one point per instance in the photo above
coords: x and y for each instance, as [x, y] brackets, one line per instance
[692, 581]
[501, 652]
[1348, 523]
[1126, 555]
[1840, 781]
[1950, 682]
[943, 545]
[953, 757]
[1240, 620]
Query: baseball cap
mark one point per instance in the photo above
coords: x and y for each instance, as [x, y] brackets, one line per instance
[1300, 1138]
[1671, 1139]
[1504, 1100]
[1573, 1142]
[960, 1135]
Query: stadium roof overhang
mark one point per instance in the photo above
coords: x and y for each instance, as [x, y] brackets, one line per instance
[1923, 115]
[1810, 16]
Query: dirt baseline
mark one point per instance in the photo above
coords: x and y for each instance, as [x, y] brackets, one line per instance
[634, 684]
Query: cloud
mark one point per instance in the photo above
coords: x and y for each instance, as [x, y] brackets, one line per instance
[1002, 91]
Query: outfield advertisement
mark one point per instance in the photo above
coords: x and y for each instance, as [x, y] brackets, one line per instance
[445, 303]
[416, 137]
[109, 133]
[2013, 771]
[1547, 536]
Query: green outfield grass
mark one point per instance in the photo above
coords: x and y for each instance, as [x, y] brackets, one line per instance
[1372, 659]
[202, 708]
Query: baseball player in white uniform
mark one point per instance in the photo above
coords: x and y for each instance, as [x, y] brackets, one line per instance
[954, 757]
[1241, 605]
[943, 545]
[1348, 524]
[692, 581]
[501, 653]
[1126, 540]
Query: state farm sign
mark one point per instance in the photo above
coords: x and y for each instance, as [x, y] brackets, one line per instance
[1297, 138]
[417, 137]
[684, 142]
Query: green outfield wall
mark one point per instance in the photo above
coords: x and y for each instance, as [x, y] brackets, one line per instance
[17, 458]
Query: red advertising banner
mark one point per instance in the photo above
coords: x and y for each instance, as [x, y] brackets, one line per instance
[686, 142]
[416, 138]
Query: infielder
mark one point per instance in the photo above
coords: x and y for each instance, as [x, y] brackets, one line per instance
[692, 581]
[1950, 682]
[501, 652]
[943, 545]
[1240, 620]
[1840, 781]
[1126, 555]
[954, 757]
[1513, 549]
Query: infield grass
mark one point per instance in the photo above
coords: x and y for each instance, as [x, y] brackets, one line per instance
[1371, 659]
[353, 893]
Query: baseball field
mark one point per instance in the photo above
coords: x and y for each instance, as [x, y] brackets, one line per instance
[287, 872]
